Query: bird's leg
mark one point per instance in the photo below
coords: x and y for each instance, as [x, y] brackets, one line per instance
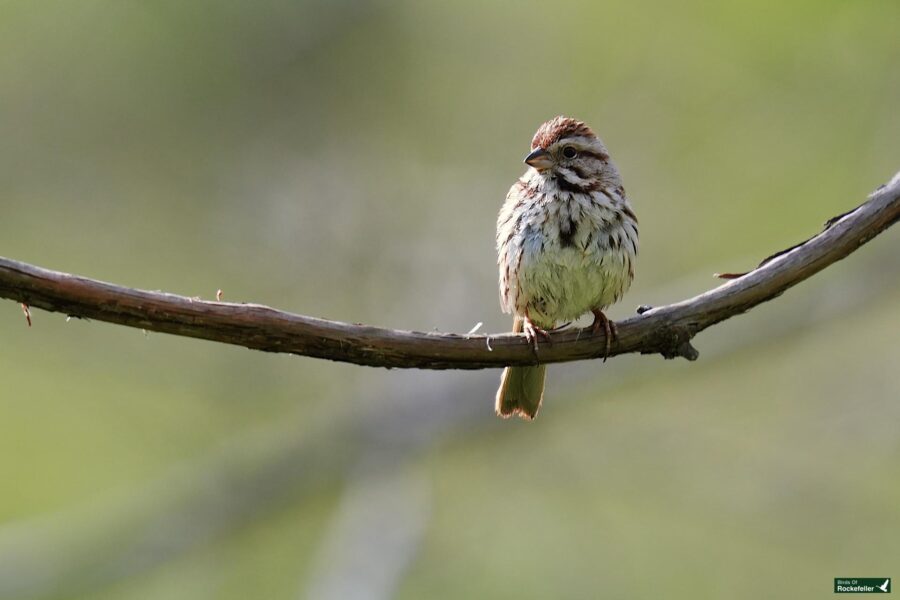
[532, 331]
[609, 328]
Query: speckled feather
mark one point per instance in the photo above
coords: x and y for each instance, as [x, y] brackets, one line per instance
[566, 237]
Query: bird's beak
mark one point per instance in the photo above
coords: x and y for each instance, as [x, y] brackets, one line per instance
[539, 159]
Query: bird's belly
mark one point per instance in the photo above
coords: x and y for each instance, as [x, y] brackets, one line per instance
[563, 283]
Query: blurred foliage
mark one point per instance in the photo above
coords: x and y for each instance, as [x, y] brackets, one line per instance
[346, 160]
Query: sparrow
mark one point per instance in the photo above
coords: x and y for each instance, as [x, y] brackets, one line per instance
[567, 239]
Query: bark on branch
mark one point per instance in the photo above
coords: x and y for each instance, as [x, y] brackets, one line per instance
[665, 330]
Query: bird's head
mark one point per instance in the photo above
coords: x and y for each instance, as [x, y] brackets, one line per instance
[565, 148]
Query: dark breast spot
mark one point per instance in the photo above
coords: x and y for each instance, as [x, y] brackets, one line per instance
[567, 230]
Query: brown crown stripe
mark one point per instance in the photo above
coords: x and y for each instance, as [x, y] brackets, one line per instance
[557, 128]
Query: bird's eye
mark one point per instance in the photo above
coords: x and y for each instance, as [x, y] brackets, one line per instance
[569, 152]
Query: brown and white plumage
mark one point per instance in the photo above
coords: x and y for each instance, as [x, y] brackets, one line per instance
[566, 241]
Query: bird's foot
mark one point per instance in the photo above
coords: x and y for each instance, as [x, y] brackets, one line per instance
[608, 327]
[532, 332]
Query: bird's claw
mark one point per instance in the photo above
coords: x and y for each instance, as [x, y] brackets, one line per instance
[609, 328]
[532, 332]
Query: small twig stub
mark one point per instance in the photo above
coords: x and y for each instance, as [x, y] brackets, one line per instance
[27, 312]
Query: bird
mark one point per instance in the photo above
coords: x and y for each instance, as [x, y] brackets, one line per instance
[567, 239]
[884, 586]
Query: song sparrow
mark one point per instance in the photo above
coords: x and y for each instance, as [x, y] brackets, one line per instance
[566, 239]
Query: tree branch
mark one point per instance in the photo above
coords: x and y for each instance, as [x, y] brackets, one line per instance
[665, 330]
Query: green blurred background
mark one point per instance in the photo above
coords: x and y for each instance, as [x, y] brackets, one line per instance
[347, 160]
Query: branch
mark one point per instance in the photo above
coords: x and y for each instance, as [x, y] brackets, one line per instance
[665, 330]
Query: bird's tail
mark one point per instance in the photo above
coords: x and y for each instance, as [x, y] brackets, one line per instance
[521, 388]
